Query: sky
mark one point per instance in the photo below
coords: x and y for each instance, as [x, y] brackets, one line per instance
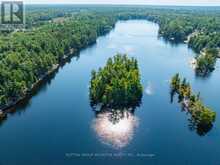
[147, 2]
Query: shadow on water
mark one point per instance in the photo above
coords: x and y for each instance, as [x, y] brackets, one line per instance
[115, 122]
[172, 43]
[200, 129]
[3, 119]
[193, 125]
[23, 105]
[115, 126]
[203, 76]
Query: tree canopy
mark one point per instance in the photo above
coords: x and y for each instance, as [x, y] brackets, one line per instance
[28, 56]
[117, 84]
[205, 62]
[202, 117]
[53, 30]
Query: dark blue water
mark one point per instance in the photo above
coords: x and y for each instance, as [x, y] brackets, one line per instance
[58, 126]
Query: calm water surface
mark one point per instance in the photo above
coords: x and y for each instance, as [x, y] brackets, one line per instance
[58, 126]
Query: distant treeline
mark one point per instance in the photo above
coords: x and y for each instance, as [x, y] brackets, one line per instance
[52, 30]
[176, 23]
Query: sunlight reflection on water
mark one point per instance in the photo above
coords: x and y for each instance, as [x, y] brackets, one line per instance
[115, 129]
[149, 89]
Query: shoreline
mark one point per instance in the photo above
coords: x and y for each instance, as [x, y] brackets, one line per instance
[55, 67]
[72, 52]
[28, 92]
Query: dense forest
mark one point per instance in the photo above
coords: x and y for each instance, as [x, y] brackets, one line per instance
[205, 62]
[117, 85]
[27, 56]
[201, 116]
[200, 26]
[53, 31]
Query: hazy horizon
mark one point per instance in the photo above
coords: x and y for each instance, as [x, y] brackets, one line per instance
[131, 2]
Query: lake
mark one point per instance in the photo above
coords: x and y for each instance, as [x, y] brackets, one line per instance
[58, 125]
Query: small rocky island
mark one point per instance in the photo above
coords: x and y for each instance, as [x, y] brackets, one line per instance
[116, 85]
[201, 116]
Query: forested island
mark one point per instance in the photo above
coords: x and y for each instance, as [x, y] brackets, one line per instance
[205, 62]
[54, 32]
[117, 85]
[94, 77]
[201, 116]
